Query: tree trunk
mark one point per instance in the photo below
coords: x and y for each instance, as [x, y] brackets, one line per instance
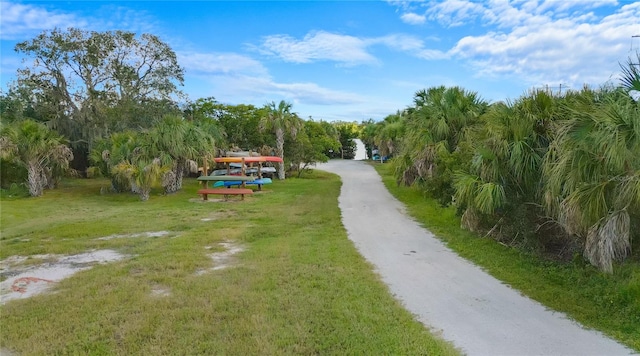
[179, 171]
[172, 180]
[35, 179]
[280, 152]
[135, 188]
[144, 194]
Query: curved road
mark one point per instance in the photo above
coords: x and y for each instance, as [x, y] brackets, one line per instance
[477, 312]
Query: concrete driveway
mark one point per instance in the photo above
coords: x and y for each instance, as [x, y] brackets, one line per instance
[478, 313]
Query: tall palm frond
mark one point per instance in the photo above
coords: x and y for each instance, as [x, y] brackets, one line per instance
[631, 73]
[592, 174]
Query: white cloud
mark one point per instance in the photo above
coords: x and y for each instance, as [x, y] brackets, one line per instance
[398, 42]
[413, 19]
[535, 41]
[317, 46]
[252, 88]
[311, 93]
[19, 20]
[110, 16]
[215, 63]
[231, 75]
[452, 13]
[560, 6]
[538, 48]
[344, 49]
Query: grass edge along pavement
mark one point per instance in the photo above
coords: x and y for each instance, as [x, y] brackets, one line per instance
[608, 303]
[298, 287]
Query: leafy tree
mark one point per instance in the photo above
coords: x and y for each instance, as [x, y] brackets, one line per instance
[311, 145]
[86, 83]
[389, 134]
[280, 120]
[368, 132]
[347, 132]
[43, 152]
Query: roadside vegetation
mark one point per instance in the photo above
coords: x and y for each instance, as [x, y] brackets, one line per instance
[554, 173]
[606, 302]
[298, 287]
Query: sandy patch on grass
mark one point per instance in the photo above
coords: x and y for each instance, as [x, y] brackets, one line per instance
[220, 200]
[222, 259]
[24, 281]
[143, 234]
[220, 215]
[210, 200]
[160, 291]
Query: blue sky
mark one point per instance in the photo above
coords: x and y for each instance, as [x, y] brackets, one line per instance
[356, 60]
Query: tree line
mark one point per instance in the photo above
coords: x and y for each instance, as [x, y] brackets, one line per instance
[109, 104]
[546, 172]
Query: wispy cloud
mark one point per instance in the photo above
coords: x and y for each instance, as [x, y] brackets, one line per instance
[536, 41]
[19, 20]
[318, 46]
[343, 49]
[453, 13]
[220, 63]
[413, 19]
[313, 94]
[569, 49]
[235, 75]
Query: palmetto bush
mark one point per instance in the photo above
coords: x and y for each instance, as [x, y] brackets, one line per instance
[593, 174]
[435, 126]
[504, 176]
[43, 153]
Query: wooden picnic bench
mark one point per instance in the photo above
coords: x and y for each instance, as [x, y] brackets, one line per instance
[225, 191]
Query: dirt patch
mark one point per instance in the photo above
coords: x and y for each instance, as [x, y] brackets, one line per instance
[143, 234]
[220, 215]
[6, 352]
[160, 291]
[223, 259]
[24, 281]
[219, 200]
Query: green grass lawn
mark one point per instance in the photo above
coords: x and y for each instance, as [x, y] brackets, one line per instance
[609, 303]
[299, 286]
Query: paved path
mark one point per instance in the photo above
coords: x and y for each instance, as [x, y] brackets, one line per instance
[475, 311]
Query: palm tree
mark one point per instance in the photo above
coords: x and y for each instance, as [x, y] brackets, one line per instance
[109, 152]
[593, 174]
[280, 120]
[179, 141]
[389, 134]
[43, 152]
[631, 76]
[435, 125]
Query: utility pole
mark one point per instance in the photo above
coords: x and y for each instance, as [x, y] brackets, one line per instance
[634, 36]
